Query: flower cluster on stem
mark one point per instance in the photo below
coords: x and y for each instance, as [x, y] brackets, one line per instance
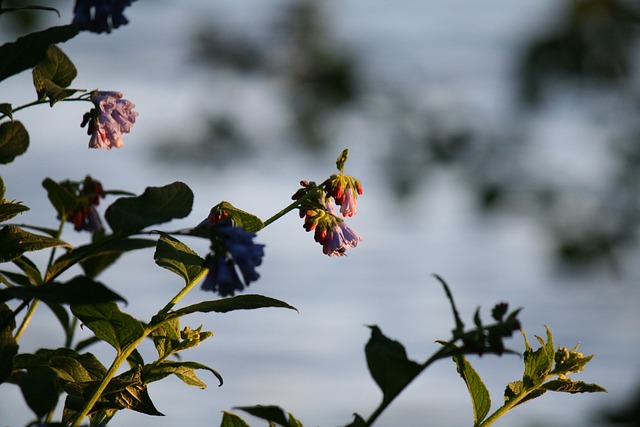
[84, 216]
[100, 16]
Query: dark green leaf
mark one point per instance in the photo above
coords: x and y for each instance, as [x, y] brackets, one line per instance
[40, 391]
[241, 218]
[109, 323]
[167, 337]
[15, 279]
[14, 141]
[94, 265]
[388, 364]
[53, 75]
[232, 420]
[8, 344]
[10, 209]
[103, 247]
[30, 7]
[357, 422]
[270, 413]
[515, 388]
[480, 398]
[16, 241]
[29, 268]
[568, 386]
[128, 391]
[79, 290]
[240, 302]
[62, 199]
[26, 52]
[177, 257]
[68, 364]
[7, 110]
[155, 206]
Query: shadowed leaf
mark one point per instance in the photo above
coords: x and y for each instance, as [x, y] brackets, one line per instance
[53, 75]
[79, 290]
[109, 323]
[14, 141]
[177, 257]
[16, 241]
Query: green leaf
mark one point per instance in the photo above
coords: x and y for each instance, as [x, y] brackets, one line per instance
[239, 302]
[155, 206]
[109, 254]
[388, 364]
[109, 323]
[9, 209]
[515, 388]
[177, 257]
[26, 52]
[183, 370]
[53, 75]
[79, 290]
[40, 390]
[62, 199]
[69, 365]
[16, 241]
[250, 222]
[6, 109]
[8, 344]
[14, 141]
[29, 268]
[538, 363]
[232, 420]
[128, 391]
[167, 337]
[270, 413]
[480, 398]
[568, 386]
[106, 246]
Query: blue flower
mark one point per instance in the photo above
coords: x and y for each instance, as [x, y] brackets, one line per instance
[108, 14]
[233, 249]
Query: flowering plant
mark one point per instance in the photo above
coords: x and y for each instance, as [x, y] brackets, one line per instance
[95, 391]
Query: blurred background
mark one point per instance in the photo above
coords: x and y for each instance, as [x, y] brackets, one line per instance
[497, 144]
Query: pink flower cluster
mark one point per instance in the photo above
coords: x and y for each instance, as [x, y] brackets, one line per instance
[320, 216]
[111, 117]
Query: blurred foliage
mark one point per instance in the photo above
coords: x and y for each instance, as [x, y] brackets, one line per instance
[587, 52]
[28, 18]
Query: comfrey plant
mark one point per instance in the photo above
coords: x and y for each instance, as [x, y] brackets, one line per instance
[67, 284]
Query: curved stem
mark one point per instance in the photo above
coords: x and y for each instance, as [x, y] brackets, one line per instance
[31, 104]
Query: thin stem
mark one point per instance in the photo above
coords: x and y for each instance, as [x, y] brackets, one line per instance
[183, 292]
[291, 207]
[31, 104]
[27, 319]
[504, 409]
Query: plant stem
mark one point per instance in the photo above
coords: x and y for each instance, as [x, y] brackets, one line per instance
[504, 409]
[183, 292]
[291, 207]
[31, 104]
[27, 319]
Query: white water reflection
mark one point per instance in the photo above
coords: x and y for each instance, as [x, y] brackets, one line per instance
[312, 363]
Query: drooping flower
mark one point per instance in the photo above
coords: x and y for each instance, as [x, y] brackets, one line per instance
[108, 14]
[233, 250]
[111, 117]
[345, 190]
[84, 216]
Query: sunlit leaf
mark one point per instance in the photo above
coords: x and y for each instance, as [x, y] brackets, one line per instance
[155, 206]
[538, 363]
[14, 141]
[167, 337]
[232, 420]
[568, 386]
[53, 75]
[109, 323]
[183, 370]
[6, 109]
[388, 363]
[177, 257]
[241, 218]
[16, 241]
[480, 399]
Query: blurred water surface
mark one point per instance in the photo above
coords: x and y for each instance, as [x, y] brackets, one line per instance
[312, 362]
